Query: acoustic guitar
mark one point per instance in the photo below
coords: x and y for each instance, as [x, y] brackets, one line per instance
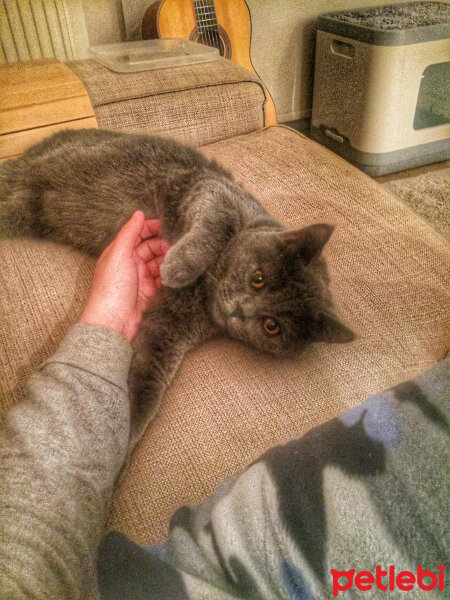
[222, 24]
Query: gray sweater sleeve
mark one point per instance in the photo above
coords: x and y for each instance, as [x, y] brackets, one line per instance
[60, 453]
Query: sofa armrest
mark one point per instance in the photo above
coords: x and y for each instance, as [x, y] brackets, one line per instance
[196, 104]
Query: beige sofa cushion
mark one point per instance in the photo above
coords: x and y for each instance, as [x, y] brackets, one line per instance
[43, 288]
[196, 104]
[229, 403]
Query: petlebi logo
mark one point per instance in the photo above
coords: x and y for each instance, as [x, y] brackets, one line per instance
[388, 580]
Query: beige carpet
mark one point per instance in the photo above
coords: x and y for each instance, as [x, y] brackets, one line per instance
[428, 195]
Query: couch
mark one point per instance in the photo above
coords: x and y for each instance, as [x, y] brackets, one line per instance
[228, 403]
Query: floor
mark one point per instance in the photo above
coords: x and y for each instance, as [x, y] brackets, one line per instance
[413, 172]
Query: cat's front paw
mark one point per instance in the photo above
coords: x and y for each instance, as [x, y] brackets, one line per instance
[177, 273]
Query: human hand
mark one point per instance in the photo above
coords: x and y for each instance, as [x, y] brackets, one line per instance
[126, 277]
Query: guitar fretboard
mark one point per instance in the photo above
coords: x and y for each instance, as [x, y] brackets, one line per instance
[208, 28]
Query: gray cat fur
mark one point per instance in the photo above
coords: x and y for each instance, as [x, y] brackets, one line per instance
[79, 187]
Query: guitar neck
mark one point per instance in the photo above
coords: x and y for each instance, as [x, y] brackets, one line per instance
[206, 21]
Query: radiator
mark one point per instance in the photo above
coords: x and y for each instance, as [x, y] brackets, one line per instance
[31, 29]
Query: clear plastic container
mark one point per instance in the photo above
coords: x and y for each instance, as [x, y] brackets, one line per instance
[143, 55]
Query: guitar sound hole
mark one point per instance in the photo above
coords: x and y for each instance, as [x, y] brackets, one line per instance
[218, 40]
[214, 43]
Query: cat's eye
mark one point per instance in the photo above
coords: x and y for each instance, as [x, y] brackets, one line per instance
[258, 280]
[271, 326]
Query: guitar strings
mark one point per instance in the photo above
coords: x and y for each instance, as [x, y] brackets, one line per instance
[200, 25]
[207, 25]
[208, 32]
[215, 26]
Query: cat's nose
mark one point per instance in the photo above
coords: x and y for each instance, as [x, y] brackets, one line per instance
[237, 313]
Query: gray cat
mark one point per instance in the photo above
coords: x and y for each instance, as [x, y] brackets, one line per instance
[232, 269]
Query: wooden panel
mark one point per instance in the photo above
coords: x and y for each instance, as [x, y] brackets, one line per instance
[15, 143]
[8, 157]
[31, 82]
[39, 98]
[45, 113]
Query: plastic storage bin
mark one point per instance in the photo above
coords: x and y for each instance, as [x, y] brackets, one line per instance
[382, 85]
[126, 57]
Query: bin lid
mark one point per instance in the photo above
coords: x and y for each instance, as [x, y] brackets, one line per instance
[391, 25]
[125, 57]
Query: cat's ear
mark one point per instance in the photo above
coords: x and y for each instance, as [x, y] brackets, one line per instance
[331, 329]
[308, 242]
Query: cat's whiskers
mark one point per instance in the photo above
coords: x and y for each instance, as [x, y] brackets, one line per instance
[227, 292]
[213, 278]
[224, 291]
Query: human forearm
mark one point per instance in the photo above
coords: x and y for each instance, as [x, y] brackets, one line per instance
[60, 452]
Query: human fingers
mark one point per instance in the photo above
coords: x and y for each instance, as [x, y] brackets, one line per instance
[150, 228]
[129, 234]
[147, 285]
[154, 265]
[152, 247]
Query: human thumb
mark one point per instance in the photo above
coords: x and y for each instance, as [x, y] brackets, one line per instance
[129, 236]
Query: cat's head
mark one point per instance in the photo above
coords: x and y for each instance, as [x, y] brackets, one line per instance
[273, 290]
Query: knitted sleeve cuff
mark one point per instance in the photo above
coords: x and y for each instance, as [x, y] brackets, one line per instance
[97, 350]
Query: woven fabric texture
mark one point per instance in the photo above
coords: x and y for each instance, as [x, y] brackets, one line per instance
[229, 403]
[189, 116]
[43, 290]
[196, 104]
